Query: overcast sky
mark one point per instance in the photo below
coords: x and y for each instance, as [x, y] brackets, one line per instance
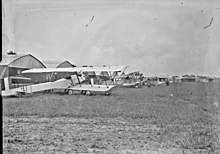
[172, 37]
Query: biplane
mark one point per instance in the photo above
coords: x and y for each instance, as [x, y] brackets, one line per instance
[133, 80]
[71, 84]
[158, 81]
[98, 80]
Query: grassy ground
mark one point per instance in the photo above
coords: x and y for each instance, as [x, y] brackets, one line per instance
[182, 117]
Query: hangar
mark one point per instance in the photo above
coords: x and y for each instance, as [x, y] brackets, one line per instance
[13, 64]
[58, 64]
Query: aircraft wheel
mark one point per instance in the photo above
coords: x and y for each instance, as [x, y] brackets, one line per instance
[107, 94]
[88, 93]
[83, 92]
[65, 91]
[20, 95]
[70, 92]
[78, 92]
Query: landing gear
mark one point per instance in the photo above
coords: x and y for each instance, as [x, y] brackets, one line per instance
[83, 92]
[88, 93]
[108, 93]
[20, 95]
[73, 92]
[70, 92]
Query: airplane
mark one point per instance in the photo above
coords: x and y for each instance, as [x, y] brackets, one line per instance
[99, 80]
[25, 85]
[104, 76]
[133, 80]
[154, 81]
[71, 84]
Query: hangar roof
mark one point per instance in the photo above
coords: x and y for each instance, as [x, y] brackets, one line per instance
[58, 64]
[21, 60]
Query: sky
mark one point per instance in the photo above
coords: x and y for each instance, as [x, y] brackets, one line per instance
[162, 37]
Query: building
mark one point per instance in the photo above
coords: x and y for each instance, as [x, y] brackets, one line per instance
[13, 64]
[177, 79]
[58, 64]
[204, 79]
[65, 64]
[188, 78]
[161, 78]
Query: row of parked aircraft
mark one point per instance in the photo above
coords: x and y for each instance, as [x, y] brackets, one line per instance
[77, 80]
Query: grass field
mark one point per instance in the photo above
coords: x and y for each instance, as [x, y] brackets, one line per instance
[180, 118]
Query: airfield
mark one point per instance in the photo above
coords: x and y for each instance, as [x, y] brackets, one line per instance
[179, 118]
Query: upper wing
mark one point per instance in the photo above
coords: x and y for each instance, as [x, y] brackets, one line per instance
[77, 69]
[106, 68]
[50, 70]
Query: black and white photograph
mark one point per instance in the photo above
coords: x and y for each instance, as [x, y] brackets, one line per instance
[110, 76]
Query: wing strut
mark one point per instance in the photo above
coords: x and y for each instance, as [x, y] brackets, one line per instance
[71, 80]
[104, 80]
[78, 79]
[114, 77]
